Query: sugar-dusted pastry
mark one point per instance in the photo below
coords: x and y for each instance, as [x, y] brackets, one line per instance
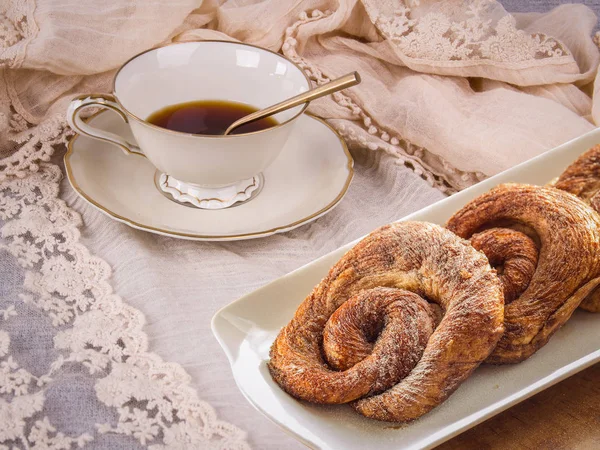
[511, 220]
[369, 334]
[582, 178]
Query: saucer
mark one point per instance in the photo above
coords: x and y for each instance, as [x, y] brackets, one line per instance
[308, 179]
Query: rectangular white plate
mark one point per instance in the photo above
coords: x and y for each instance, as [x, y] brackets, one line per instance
[247, 327]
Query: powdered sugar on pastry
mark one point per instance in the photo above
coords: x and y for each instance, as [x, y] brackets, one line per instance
[368, 328]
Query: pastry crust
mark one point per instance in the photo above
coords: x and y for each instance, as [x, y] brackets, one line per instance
[568, 233]
[513, 254]
[582, 178]
[367, 334]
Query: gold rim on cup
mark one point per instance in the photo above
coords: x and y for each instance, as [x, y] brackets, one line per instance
[146, 123]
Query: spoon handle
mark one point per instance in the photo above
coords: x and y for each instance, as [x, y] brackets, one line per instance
[338, 84]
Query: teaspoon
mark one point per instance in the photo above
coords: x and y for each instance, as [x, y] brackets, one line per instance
[338, 84]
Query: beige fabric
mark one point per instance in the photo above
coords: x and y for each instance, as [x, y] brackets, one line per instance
[457, 90]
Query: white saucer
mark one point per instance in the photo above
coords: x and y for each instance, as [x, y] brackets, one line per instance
[307, 180]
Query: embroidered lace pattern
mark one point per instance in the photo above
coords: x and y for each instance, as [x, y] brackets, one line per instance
[17, 28]
[94, 329]
[459, 30]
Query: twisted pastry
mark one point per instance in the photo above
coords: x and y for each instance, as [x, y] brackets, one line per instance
[367, 333]
[582, 178]
[513, 218]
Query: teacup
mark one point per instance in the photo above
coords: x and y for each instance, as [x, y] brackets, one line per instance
[211, 172]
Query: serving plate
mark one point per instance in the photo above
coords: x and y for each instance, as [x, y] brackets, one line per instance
[247, 327]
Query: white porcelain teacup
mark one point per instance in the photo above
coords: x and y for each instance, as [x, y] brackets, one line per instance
[210, 172]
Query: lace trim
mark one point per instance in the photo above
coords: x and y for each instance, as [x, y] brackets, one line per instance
[366, 132]
[34, 144]
[438, 36]
[17, 29]
[97, 330]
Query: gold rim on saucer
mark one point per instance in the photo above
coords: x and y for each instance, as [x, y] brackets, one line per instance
[195, 236]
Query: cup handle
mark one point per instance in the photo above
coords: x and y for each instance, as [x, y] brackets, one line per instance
[106, 101]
